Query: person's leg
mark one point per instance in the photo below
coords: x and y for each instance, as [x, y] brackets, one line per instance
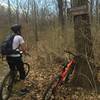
[17, 63]
[20, 68]
[12, 67]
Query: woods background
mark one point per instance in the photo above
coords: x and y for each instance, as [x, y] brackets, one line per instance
[48, 25]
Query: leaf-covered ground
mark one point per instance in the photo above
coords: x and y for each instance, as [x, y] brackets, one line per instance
[39, 78]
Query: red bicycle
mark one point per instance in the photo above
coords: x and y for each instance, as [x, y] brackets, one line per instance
[67, 74]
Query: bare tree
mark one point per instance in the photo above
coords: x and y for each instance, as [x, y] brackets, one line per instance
[61, 13]
[34, 21]
[91, 10]
[25, 8]
[9, 12]
[17, 11]
[97, 13]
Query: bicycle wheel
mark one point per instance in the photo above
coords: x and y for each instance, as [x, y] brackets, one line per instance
[6, 87]
[48, 95]
[26, 68]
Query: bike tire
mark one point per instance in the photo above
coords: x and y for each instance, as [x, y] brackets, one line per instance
[3, 86]
[51, 88]
[10, 83]
[27, 69]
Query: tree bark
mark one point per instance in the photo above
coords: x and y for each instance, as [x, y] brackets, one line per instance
[83, 44]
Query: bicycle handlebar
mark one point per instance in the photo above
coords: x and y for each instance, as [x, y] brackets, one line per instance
[21, 52]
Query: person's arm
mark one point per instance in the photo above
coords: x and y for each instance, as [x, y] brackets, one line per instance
[23, 47]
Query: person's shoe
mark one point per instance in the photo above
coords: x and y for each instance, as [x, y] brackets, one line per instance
[24, 91]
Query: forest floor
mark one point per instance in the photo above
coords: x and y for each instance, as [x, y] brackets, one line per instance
[39, 78]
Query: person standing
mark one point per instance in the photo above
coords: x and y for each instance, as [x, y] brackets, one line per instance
[14, 59]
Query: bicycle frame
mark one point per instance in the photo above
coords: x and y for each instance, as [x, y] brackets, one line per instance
[66, 69]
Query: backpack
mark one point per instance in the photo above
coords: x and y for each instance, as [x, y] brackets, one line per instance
[6, 46]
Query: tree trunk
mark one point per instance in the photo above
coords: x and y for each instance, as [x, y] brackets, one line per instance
[83, 44]
[9, 13]
[17, 11]
[34, 24]
[97, 13]
[61, 13]
[91, 10]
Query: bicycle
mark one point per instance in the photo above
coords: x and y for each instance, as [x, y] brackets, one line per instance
[9, 82]
[67, 74]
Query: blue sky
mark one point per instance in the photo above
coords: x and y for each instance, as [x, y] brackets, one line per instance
[4, 2]
[41, 4]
